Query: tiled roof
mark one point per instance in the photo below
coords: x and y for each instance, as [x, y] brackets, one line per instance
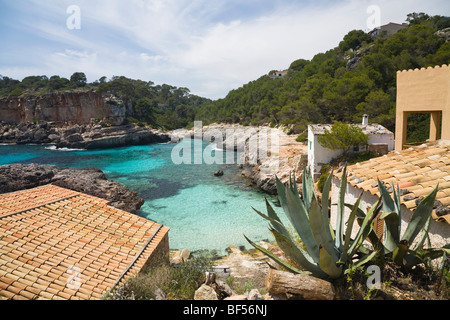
[372, 128]
[60, 244]
[416, 171]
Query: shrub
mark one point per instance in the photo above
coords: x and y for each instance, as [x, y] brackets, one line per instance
[327, 253]
[177, 283]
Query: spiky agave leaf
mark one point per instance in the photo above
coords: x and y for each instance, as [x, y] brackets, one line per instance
[424, 236]
[360, 215]
[326, 201]
[307, 188]
[339, 240]
[270, 212]
[365, 259]
[275, 258]
[328, 264]
[431, 253]
[276, 224]
[391, 230]
[295, 210]
[392, 217]
[297, 254]
[348, 231]
[400, 252]
[320, 229]
[420, 217]
[365, 229]
[293, 185]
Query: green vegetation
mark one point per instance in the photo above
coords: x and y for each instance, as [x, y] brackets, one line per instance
[177, 283]
[332, 253]
[355, 78]
[398, 245]
[161, 106]
[342, 84]
[343, 137]
[327, 253]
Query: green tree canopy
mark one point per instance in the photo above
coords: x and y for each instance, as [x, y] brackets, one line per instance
[56, 82]
[343, 137]
[78, 79]
[354, 39]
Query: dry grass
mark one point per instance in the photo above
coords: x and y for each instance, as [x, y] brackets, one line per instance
[163, 281]
[420, 283]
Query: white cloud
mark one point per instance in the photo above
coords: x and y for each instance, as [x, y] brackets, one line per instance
[191, 44]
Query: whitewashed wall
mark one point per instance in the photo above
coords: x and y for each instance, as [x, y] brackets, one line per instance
[318, 155]
[383, 138]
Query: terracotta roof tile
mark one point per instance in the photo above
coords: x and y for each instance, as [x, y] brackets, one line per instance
[416, 170]
[49, 233]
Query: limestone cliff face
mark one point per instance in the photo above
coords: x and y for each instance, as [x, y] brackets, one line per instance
[64, 107]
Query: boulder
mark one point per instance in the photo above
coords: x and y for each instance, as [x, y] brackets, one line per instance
[178, 257]
[40, 134]
[205, 292]
[254, 295]
[91, 181]
[53, 137]
[76, 137]
[218, 173]
[185, 254]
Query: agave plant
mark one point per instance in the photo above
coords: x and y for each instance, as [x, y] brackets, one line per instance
[399, 246]
[325, 252]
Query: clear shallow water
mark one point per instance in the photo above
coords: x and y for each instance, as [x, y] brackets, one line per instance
[202, 211]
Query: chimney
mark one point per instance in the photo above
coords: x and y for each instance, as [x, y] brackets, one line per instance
[365, 120]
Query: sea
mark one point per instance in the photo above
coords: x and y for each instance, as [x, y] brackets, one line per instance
[202, 210]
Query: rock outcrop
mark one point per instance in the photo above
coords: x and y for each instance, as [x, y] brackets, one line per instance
[91, 181]
[64, 107]
[85, 136]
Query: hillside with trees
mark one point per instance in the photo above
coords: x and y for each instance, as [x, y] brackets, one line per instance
[161, 106]
[357, 77]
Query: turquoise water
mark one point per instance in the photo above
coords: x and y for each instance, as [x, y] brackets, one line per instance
[203, 211]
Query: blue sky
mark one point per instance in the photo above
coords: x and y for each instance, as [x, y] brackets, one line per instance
[208, 46]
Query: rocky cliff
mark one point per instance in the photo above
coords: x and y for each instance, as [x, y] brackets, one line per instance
[91, 181]
[64, 107]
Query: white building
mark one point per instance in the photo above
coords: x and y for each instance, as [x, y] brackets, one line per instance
[381, 140]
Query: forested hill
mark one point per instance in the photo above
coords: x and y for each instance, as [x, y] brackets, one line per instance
[357, 77]
[161, 106]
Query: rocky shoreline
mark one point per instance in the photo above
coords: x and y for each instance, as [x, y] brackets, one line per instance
[278, 159]
[92, 136]
[260, 165]
[91, 181]
[85, 136]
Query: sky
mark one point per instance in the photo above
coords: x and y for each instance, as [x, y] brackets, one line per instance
[208, 46]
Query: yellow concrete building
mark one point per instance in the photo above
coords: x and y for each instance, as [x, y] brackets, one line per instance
[423, 91]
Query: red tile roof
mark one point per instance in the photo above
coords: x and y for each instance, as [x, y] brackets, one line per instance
[56, 243]
[417, 171]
